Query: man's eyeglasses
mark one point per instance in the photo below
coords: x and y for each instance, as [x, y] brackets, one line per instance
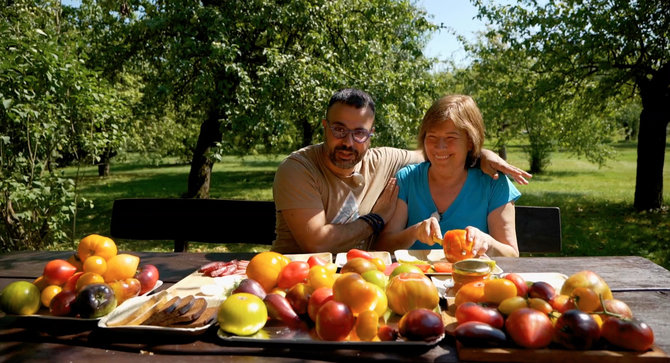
[359, 135]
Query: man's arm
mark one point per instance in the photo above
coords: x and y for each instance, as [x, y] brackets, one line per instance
[313, 233]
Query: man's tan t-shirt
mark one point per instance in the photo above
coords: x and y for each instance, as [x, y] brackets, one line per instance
[303, 181]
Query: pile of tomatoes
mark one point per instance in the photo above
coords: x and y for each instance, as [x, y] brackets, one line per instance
[583, 315]
[354, 304]
[96, 262]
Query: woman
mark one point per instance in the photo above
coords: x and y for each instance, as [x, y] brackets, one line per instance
[446, 192]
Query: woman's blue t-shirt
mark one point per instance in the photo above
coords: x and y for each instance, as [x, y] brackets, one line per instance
[479, 196]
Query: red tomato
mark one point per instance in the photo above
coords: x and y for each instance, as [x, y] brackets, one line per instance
[334, 321]
[628, 333]
[519, 282]
[470, 311]
[315, 261]
[319, 297]
[71, 283]
[387, 333]
[529, 328]
[423, 268]
[293, 273]
[576, 329]
[56, 272]
[354, 252]
[443, 267]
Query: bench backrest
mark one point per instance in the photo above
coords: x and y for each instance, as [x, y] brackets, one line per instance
[538, 229]
[198, 220]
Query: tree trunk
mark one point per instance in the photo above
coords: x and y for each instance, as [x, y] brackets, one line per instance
[651, 143]
[103, 168]
[307, 132]
[502, 151]
[201, 166]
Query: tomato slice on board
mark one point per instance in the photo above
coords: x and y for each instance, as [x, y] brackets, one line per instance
[443, 267]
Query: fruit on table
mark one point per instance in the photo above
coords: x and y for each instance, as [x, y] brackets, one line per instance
[279, 308]
[367, 324]
[125, 289]
[96, 245]
[292, 274]
[356, 253]
[88, 278]
[410, 290]
[334, 321]
[421, 324]
[61, 304]
[94, 301]
[529, 328]
[358, 265]
[472, 291]
[148, 276]
[497, 290]
[95, 264]
[316, 261]
[588, 279]
[20, 297]
[630, 334]
[474, 333]
[358, 294]
[56, 272]
[250, 286]
[617, 307]
[121, 266]
[242, 314]
[471, 311]
[519, 282]
[265, 268]
[319, 297]
[456, 246]
[585, 299]
[298, 297]
[48, 293]
[376, 277]
[576, 329]
[542, 290]
[405, 267]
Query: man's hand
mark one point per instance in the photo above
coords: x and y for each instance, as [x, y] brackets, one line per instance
[385, 205]
[491, 163]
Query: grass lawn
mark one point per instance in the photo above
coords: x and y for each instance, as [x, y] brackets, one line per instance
[596, 202]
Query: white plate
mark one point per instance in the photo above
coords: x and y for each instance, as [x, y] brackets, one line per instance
[341, 257]
[326, 256]
[133, 303]
[554, 279]
[430, 256]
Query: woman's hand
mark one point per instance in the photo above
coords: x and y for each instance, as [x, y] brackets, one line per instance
[491, 163]
[481, 241]
[427, 229]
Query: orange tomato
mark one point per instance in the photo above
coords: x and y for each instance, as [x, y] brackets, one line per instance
[88, 278]
[96, 245]
[367, 324]
[411, 290]
[265, 268]
[48, 293]
[95, 264]
[41, 282]
[75, 261]
[472, 291]
[586, 299]
[319, 276]
[456, 246]
[121, 267]
[358, 294]
[497, 290]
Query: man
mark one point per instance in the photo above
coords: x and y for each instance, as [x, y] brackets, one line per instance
[337, 195]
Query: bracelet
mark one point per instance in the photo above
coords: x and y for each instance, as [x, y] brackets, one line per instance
[375, 221]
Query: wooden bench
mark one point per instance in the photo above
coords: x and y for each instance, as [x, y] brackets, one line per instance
[197, 220]
[538, 229]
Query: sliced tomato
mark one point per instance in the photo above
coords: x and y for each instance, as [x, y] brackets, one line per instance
[423, 268]
[443, 267]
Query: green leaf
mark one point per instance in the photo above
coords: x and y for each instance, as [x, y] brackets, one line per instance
[40, 32]
[7, 103]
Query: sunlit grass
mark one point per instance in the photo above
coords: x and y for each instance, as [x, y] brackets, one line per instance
[596, 202]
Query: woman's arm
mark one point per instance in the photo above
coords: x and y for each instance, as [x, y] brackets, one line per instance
[501, 239]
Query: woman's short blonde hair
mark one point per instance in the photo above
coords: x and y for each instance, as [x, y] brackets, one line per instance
[464, 113]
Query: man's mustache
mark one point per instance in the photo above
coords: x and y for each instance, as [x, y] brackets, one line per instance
[344, 148]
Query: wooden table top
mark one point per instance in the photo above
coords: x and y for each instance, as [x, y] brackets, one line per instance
[639, 282]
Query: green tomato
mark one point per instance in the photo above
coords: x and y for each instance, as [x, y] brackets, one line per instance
[405, 267]
[242, 314]
[20, 297]
[376, 277]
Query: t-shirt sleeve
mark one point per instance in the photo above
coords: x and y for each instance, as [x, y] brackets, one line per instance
[295, 186]
[503, 192]
[402, 179]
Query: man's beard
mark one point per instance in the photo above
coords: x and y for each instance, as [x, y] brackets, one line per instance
[344, 164]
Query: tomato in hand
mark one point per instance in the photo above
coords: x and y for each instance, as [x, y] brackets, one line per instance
[529, 328]
[56, 272]
[470, 311]
[354, 252]
[456, 245]
[630, 334]
[293, 273]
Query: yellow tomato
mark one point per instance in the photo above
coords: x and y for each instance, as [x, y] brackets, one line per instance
[48, 293]
[96, 264]
[367, 324]
[319, 276]
[381, 266]
[121, 267]
[96, 245]
[265, 268]
[411, 290]
[88, 278]
[242, 314]
[41, 283]
[472, 291]
[497, 290]
[358, 294]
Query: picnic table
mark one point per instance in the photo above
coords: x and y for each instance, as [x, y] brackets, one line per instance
[644, 285]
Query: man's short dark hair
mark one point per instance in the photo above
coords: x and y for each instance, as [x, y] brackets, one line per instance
[353, 97]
